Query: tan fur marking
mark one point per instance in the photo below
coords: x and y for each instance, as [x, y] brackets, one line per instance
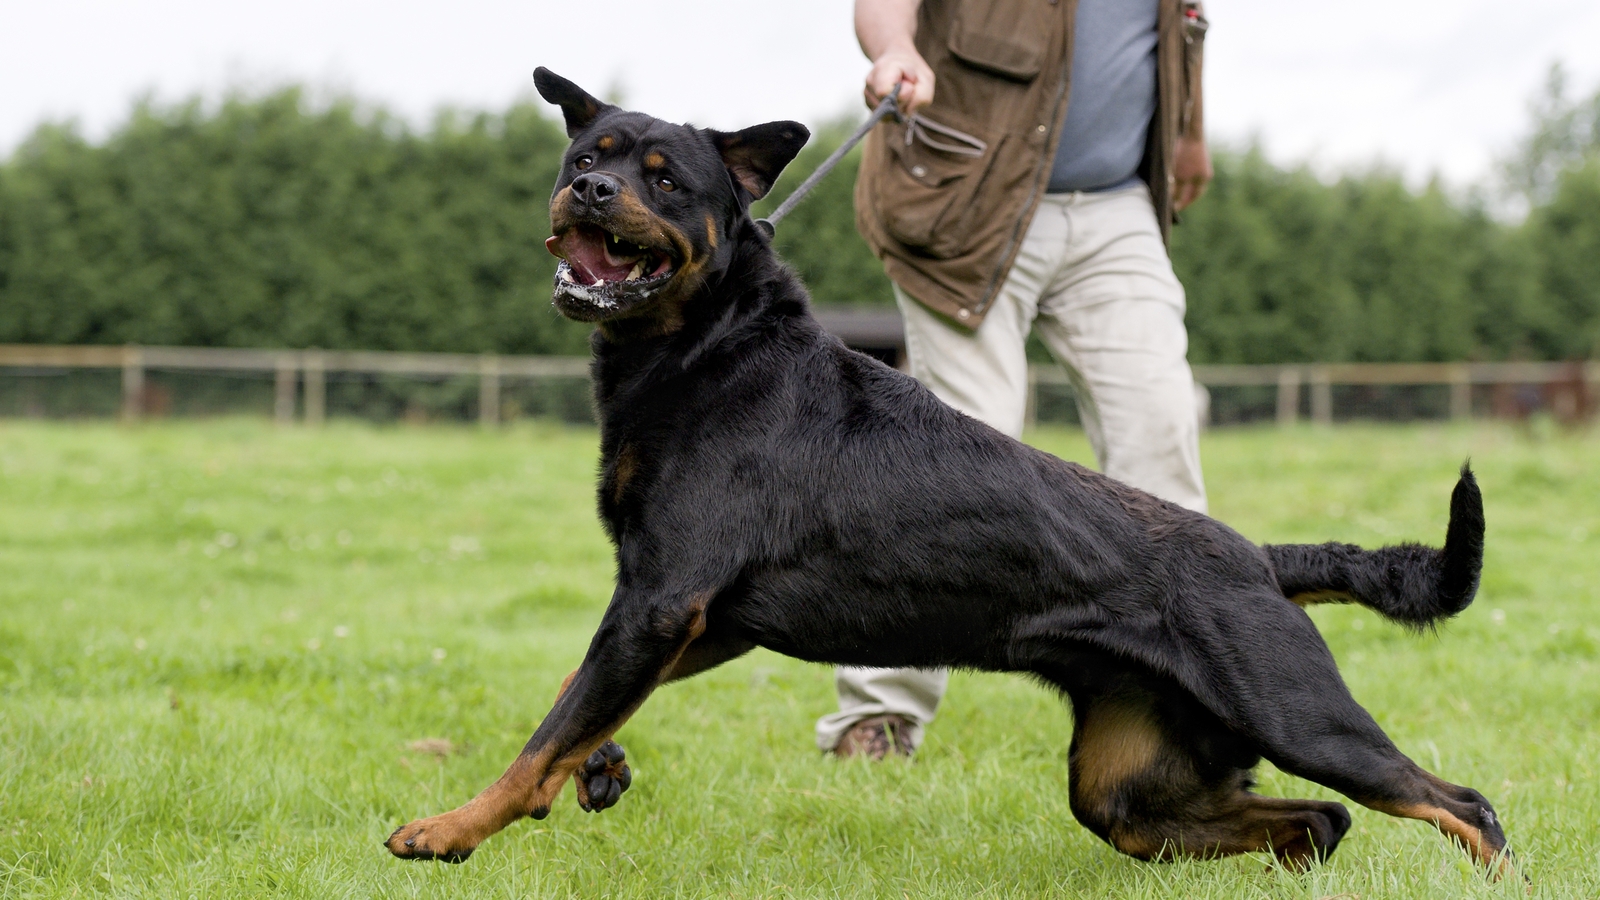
[606, 142]
[1498, 862]
[566, 683]
[533, 780]
[1137, 844]
[697, 627]
[622, 471]
[461, 830]
[558, 208]
[631, 220]
[1445, 821]
[711, 232]
[654, 160]
[1307, 598]
[1114, 742]
[1214, 828]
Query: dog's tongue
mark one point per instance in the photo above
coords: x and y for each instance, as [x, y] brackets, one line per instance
[584, 249]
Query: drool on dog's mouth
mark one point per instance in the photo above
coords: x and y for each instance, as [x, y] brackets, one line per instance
[602, 274]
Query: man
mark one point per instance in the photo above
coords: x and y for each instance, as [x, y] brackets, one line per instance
[1033, 190]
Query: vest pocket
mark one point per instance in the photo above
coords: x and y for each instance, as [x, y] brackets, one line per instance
[928, 190]
[1007, 38]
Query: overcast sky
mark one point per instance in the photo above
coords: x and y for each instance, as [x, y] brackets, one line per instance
[1427, 85]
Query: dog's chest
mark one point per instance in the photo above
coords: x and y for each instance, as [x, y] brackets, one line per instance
[619, 473]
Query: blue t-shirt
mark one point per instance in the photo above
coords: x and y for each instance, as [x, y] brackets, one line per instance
[1113, 96]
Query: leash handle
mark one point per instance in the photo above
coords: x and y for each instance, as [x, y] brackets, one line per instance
[889, 105]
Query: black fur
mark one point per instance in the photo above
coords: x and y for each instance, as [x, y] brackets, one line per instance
[1410, 583]
[765, 486]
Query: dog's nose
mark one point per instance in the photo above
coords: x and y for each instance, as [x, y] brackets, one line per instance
[595, 189]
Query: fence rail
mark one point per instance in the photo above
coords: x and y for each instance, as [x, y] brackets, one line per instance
[292, 369]
[300, 375]
[1320, 379]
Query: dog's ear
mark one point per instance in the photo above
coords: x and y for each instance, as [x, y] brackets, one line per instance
[577, 104]
[757, 154]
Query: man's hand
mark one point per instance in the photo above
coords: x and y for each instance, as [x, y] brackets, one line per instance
[1191, 171]
[904, 67]
[885, 29]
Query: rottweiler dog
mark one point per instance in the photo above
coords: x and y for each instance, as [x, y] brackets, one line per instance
[764, 486]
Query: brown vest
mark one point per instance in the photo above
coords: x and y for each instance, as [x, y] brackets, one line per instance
[946, 198]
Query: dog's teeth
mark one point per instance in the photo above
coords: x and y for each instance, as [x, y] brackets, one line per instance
[638, 269]
[566, 275]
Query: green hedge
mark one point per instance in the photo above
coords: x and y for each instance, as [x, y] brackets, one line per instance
[267, 222]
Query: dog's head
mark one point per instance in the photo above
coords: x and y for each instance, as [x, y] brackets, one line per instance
[644, 211]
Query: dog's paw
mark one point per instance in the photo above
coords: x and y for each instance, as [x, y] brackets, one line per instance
[602, 778]
[433, 838]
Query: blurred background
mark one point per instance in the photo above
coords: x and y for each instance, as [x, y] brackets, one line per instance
[1396, 183]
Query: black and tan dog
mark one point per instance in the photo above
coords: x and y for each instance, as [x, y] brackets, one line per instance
[765, 486]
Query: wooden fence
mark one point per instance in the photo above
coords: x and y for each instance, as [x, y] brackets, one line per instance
[293, 369]
[300, 375]
[1320, 378]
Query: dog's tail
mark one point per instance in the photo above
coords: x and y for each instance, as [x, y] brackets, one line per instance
[1410, 583]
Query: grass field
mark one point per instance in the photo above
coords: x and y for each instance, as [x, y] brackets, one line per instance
[220, 643]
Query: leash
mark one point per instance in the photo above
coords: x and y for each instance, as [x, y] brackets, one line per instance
[886, 107]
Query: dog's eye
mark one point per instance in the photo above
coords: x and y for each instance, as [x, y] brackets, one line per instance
[583, 162]
[666, 184]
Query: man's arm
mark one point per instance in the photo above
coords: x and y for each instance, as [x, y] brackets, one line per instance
[885, 29]
[1191, 161]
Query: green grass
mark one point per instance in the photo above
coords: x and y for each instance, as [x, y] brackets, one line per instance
[218, 642]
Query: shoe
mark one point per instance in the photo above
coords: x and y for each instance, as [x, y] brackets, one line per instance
[876, 738]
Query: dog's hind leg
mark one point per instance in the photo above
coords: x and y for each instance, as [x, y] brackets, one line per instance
[637, 647]
[1273, 679]
[1157, 776]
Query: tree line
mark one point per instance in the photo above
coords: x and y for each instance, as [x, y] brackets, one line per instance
[270, 221]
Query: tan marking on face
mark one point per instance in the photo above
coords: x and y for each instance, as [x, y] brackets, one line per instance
[562, 200]
[606, 142]
[1113, 743]
[562, 216]
[654, 160]
[627, 217]
[711, 231]
[630, 219]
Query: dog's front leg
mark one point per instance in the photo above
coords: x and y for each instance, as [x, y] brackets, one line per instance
[637, 647]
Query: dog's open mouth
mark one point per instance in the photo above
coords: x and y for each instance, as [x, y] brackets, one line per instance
[601, 274]
[595, 257]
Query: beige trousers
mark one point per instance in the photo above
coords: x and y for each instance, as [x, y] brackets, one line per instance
[1094, 280]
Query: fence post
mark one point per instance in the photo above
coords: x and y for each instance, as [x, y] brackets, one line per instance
[1288, 394]
[132, 383]
[1591, 386]
[284, 385]
[488, 390]
[1321, 396]
[1460, 392]
[316, 387]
